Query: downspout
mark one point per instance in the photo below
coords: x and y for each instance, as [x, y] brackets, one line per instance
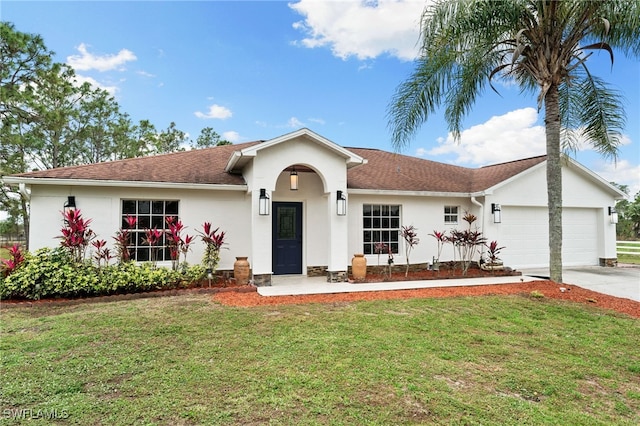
[24, 191]
[479, 204]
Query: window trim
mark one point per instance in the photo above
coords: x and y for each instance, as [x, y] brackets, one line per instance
[448, 215]
[392, 237]
[135, 243]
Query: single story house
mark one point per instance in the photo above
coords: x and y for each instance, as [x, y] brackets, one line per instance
[302, 204]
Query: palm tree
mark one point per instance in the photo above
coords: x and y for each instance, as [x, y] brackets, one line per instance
[541, 45]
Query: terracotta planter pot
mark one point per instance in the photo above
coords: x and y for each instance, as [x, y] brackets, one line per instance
[359, 266]
[241, 270]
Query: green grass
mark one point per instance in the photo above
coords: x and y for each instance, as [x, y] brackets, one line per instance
[4, 253]
[629, 258]
[185, 360]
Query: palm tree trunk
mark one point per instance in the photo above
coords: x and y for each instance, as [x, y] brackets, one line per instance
[554, 182]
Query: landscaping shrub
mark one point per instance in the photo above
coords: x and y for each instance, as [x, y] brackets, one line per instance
[50, 273]
[66, 272]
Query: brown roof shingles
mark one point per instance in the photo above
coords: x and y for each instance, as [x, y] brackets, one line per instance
[386, 170]
[383, 171]
[202, 166]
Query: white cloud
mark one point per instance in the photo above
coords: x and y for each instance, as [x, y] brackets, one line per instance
[622, 172]
[507, 137]
[81, 79]
[231, 136]
[317, 120]
[88, 61]
[145, 74]
[215, 111]
[364, 29]
[294, 123]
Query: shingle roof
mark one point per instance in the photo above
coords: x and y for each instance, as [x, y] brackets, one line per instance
[384, 171]
[202, 166]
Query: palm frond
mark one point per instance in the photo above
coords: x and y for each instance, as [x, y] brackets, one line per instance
[592, 112]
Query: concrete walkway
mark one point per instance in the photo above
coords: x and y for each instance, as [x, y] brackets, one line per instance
[285, 285]
[620, 282]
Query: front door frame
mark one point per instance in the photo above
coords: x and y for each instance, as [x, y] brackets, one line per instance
[287, 252]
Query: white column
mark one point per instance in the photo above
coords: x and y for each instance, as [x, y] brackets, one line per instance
[338, 237]
[260, 236]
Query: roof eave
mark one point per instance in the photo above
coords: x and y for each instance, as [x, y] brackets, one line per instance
[238, 160]
[396, 192]
[119, 183]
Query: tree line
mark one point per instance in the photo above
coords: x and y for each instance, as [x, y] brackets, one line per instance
[49, 119]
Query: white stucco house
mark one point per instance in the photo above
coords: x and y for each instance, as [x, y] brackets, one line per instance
[344, 201]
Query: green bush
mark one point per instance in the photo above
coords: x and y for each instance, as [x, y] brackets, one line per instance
[52, 273]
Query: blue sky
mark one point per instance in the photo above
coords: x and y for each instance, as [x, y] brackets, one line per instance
[256, 70]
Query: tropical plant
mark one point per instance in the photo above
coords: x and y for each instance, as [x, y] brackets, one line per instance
[153, 238]
[54, 273]
[466, 242]
[410, 235]
[492, 252]
[380, 248]
[123, 239]
[76, 234]
[102, 252]
[177, 244]
[213, 241]
[441, 239]
[541, 45]
[16, 258]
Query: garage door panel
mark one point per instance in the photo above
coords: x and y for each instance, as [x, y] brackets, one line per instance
[525, 235]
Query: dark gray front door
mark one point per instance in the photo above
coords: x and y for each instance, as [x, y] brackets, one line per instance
[287, 238]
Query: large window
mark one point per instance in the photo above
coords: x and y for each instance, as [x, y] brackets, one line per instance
[381, 224]
[451, 214]
[149, 214]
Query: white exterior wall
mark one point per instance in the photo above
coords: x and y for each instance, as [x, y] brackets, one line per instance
[318, 201]
[587, 232]
[228, 210]
[424, 213]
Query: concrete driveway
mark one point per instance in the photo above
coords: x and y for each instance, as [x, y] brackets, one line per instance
[622, 281]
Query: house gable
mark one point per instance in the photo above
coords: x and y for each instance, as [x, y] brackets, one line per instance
[240, 158]
[578, 181]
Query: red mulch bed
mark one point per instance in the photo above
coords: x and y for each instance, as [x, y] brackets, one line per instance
[548, 288]
[230, 294]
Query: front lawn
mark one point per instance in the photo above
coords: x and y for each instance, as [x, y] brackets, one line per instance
[492, 360]
[629, 258]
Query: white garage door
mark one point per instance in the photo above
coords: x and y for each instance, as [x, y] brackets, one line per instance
[525, 235]
[580, 237]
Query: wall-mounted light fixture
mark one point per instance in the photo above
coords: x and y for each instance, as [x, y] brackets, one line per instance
[496, 211]
[263, 203]
[341, 203]
[613, 215]
[293, 180]
[70, 203]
